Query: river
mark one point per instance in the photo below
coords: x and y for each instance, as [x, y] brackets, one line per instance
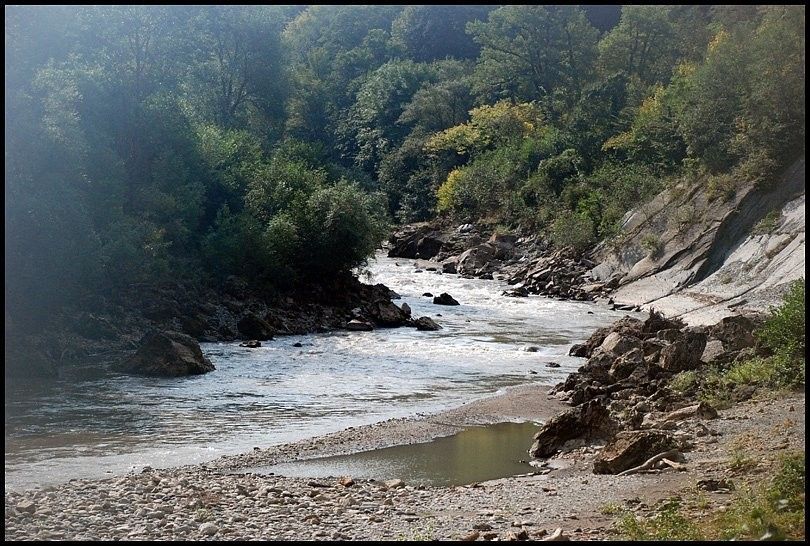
[103, 423]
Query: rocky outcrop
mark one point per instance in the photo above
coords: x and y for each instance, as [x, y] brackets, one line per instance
[626, 380]
[693, 254]
[168, 354]
[418, 241]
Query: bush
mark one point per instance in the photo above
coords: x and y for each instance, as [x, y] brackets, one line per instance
[783, 332]
[652, 244]
[571, 229]
[768, 223]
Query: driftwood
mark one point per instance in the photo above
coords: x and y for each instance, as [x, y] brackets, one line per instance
[671, 454]
[556, 536]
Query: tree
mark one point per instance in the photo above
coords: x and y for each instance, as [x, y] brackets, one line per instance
[530, 52]
[429, 33]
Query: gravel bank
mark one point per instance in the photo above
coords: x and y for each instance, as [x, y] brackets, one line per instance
[214, 501]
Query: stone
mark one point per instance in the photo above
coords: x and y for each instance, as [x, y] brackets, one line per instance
[406, 309]
[736, 332]
[426, 323]
[26, 506]
[702, 410]
[359, 326]
[346, 481]
[714, 350]
[386, 313]
[444, 299]
[450, 265]
[474, 259]
[683, 354]
[208, 529]
[252, 327]
[591, 420]
[252, 344]
[167, 354]
[394, 484]
[631, 448]
[619, 344]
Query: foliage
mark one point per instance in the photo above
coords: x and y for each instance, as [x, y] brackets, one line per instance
[768, 223]
[668, 523]
[146, 143]
[571, 229]
[784, 330]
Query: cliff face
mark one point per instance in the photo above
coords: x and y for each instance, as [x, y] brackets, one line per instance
[700, 259]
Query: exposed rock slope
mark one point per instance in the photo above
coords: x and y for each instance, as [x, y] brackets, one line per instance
[700, 258]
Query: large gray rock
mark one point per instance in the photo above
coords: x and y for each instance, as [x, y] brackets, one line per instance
[630, 449]
[685, 353]
[591, 420]
[386, 313]
[168, 354]
[619, 344]
[476, 258]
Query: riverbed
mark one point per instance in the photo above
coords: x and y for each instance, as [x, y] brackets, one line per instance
[101, 424]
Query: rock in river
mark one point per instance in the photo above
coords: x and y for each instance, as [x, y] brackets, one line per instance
[444, 299]
[168, 354]
[426, 323]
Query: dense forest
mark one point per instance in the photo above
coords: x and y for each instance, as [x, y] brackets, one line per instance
[279, 144]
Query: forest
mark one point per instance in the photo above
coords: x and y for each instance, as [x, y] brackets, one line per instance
[280, 143]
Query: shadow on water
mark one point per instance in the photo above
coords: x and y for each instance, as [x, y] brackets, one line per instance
[475, 454]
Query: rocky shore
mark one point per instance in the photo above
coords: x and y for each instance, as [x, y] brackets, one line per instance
[215, 502]
[529, 263]
[108, 331]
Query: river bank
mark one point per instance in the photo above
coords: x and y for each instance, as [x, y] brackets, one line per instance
[214, 501]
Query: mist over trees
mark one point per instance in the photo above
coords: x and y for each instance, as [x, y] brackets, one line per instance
[278, 143]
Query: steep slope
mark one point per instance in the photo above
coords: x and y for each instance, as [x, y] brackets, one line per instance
[693, 255]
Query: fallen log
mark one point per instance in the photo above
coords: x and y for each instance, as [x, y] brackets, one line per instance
[649, 463]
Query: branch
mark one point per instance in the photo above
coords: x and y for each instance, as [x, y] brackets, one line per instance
[671, 454]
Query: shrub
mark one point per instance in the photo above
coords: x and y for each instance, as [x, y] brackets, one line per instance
[721, 186]
[783, 333]
[652, 244]
[768, 223]
[570, 229]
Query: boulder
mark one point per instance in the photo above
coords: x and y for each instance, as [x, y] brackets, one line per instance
[685, 353]
[252, 327]
[657, 322]
[625, 365]
[631, 448]
[168, 354]
[619, 344]
[426, 323]
[428, 246]
[406, 309]
[359, 326]
[386, 313]
[714, 349]
[591, 420]
[474, 259]
[444, 299]
[736, 332]
[449, 265]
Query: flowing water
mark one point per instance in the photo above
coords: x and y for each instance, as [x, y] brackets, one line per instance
[104, 423]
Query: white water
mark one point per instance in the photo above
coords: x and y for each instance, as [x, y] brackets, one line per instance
[110, 423]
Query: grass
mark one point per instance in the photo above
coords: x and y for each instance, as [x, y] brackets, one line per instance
[768, 223]
[668, 523]
[773, 510]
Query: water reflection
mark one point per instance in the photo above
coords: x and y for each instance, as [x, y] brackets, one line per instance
[473, 455]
